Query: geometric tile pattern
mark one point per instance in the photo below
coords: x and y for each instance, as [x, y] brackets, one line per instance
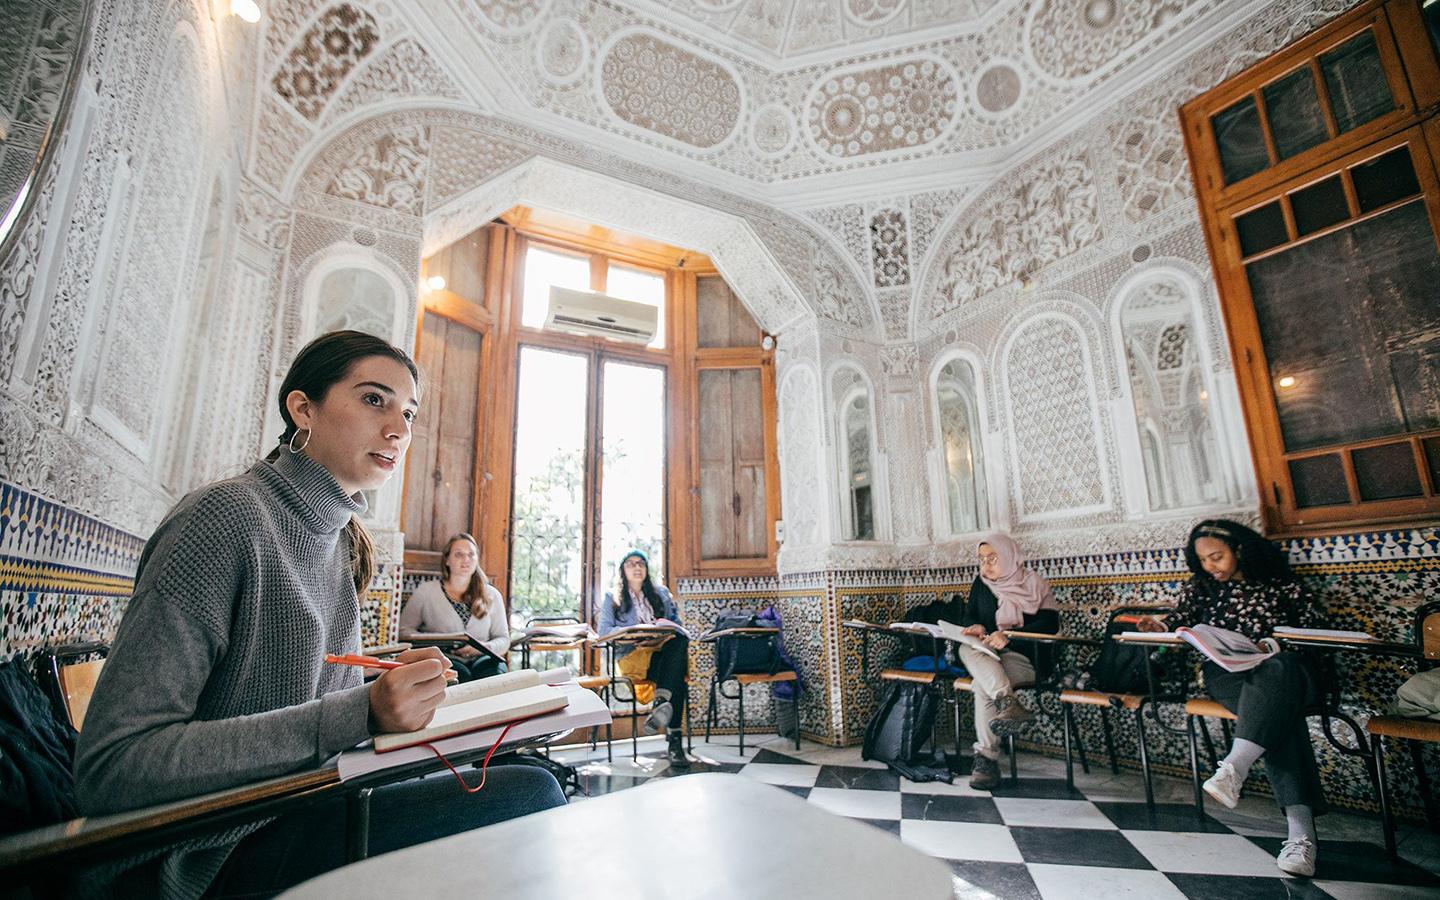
[1036, 838]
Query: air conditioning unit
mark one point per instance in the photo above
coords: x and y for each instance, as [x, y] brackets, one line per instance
[588, 313]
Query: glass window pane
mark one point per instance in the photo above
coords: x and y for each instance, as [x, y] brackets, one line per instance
[547, 516]
[1355, 77]
[855, 426]
[1352, 331]
[1385, 179]
[1319, 205]
[1431, 12]
[1178, 442]
[1386, 472]
[733, 521]
[544, 268]
[1319, 481]
[1260, 229]
[1432, 461]
[1240, 141]
[632, 495]
[356, 299]
[721, 319]
[1293, 107]
[960, 445]
[640, 286]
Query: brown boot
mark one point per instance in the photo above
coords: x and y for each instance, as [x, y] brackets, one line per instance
[984, 773]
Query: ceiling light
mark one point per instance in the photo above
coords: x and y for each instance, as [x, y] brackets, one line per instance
[1287, 381]
[435, 282]
[248, 10]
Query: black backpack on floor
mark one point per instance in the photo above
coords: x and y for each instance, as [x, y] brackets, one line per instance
[901, 726]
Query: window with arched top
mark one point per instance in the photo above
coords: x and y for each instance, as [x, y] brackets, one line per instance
[859, 468]
[961, 456]
[1174, 417]
[358, 299]
[855, 452]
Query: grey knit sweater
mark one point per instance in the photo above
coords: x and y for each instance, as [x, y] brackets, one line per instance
[216, 676]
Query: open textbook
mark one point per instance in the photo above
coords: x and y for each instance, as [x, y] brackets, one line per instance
[947, 631]
[650, 629]
[473, 705]
[448, 639]
[583, 709]
[1230, 651]
[570, 631]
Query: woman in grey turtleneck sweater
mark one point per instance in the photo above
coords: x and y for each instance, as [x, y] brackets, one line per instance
[216, 676]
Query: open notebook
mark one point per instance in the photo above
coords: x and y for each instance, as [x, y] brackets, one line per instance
[478, 704]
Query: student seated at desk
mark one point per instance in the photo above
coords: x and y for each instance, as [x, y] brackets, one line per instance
[462, 596]
[217, 676]
[1243, 583]
[637, 600]
[1006, 595]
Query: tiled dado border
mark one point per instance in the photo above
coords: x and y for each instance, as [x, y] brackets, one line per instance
[66, 576]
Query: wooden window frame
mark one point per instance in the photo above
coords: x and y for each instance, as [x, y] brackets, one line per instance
[1413, 72]
[515, 232]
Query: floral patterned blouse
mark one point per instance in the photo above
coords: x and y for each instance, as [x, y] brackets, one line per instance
[1249, 609]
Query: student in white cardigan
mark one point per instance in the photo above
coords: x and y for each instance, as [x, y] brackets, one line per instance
[462, 599]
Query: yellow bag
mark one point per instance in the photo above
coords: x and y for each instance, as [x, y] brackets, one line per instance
[635, 665]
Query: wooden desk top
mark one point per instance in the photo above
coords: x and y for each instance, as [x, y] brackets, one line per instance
[1045, 637]
[720, 836]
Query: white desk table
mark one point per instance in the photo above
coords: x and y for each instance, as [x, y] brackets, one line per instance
[704, 836]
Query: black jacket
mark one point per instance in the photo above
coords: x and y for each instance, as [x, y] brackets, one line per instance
[980, 609]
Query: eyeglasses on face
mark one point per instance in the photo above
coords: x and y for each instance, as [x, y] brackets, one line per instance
[988, 558]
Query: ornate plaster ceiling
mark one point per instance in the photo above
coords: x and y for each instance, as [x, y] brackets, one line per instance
[775, 32]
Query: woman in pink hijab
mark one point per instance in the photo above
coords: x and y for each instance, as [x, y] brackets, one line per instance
[1005, 596]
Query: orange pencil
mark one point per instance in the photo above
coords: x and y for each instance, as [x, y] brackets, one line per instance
[373, 662]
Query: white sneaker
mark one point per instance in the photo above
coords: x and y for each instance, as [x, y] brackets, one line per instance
[1224, 786]
[1297, 858]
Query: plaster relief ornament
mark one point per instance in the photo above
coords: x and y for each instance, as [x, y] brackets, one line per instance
[669, 90]
[319, 62]
[894, 107]
[562, 52]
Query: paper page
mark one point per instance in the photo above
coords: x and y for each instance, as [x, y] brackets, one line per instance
[952, 632]
[1231, 651]
[1325, 633]
[475, 714]
[585, 709]
[917, 628]
[489, 687]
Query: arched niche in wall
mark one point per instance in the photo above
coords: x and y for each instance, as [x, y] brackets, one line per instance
[1057, 454]
[351, 289]
[1171, 395]
[958, 453]
[858, 464]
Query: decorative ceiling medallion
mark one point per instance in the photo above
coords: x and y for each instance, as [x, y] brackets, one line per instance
[1099, 13]
[895, 107]
[717, 5]
[772, 130]
[670, 90]
[320, 60]
[512, 15]
[562, 52]
[998, 89]
[1073, 42]
[873, 12]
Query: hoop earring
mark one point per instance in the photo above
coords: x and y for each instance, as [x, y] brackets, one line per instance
[308, 433]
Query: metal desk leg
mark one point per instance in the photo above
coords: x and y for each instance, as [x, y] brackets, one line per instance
[357, 825]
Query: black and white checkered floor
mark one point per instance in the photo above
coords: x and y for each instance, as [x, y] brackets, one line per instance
[1038, 839]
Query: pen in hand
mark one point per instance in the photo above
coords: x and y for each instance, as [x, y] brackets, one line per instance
[374, 662]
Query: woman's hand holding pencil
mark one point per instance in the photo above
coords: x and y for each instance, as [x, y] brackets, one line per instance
[408, 691]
